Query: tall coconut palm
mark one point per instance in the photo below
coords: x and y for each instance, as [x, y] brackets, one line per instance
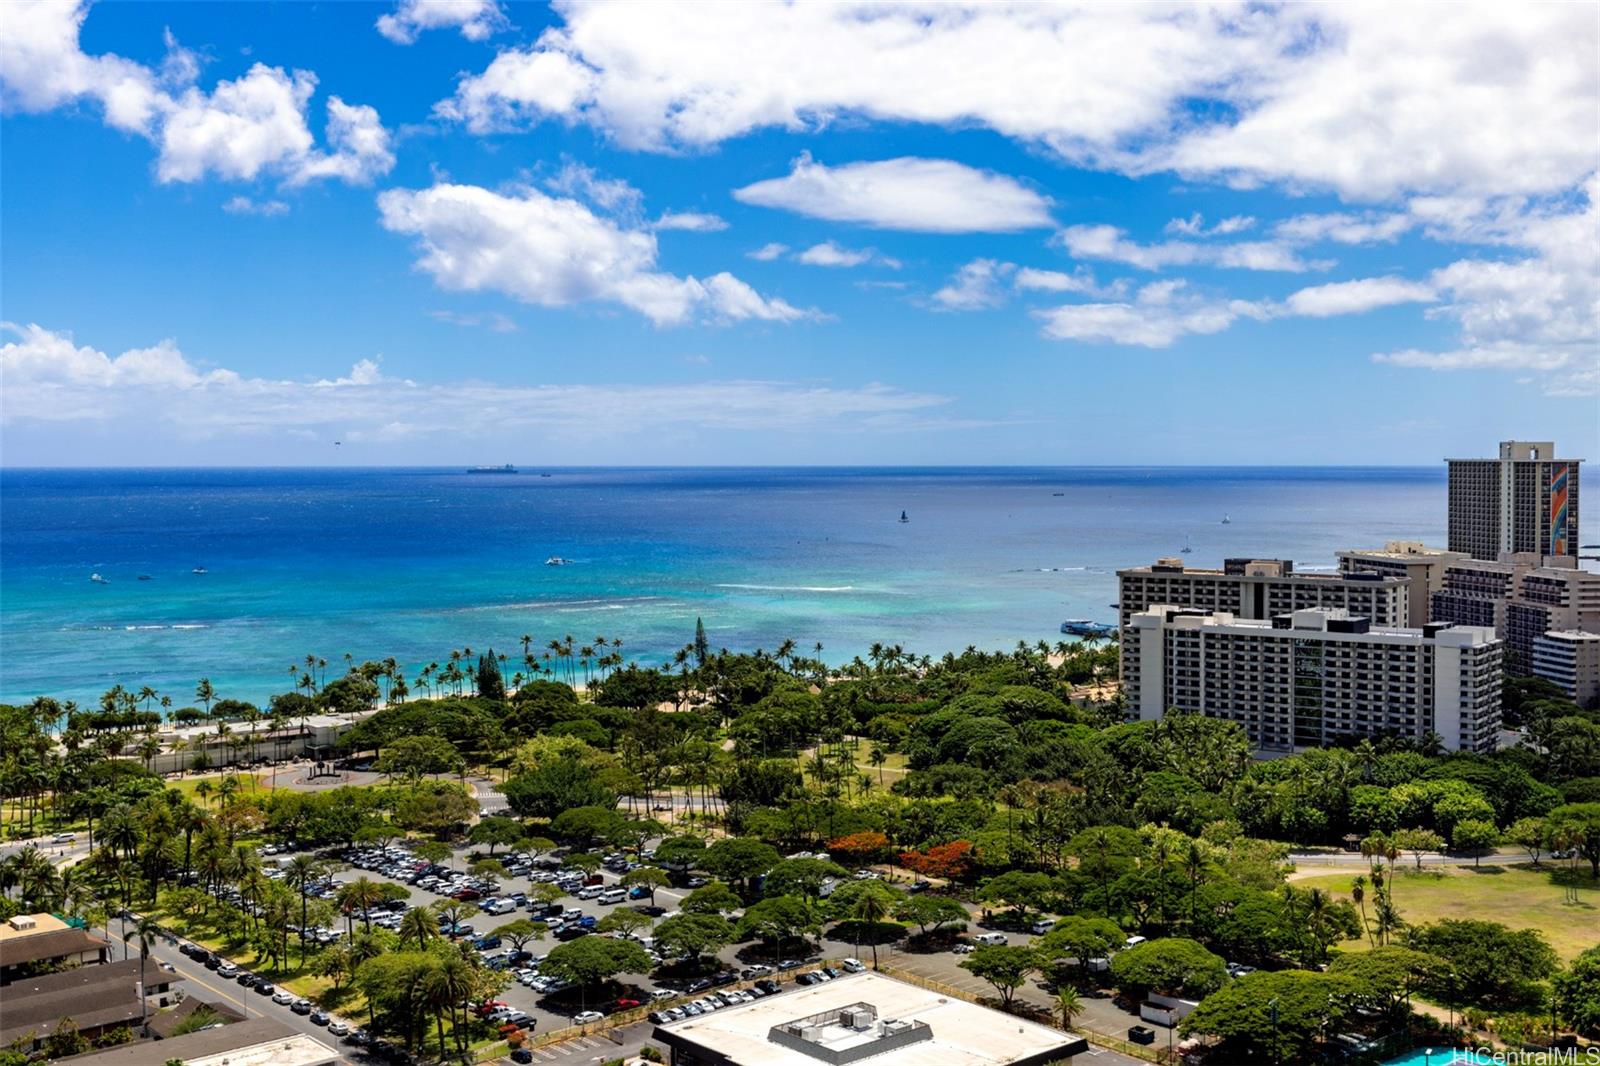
[300, 874]
[870, 909]
[145, 933]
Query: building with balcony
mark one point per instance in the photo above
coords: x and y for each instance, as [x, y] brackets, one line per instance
[1311, 677]
[1524, 500]
[1262, 589]
[1570, 659]
[1412, 559]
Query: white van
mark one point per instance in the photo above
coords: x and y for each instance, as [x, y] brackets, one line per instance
[990, 939]
[591, 891]
[500, 906]
[614, 895]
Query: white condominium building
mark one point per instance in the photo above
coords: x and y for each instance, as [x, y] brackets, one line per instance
[1262, 589]
[1571, 660]
[1412, 559]
[1306, 678]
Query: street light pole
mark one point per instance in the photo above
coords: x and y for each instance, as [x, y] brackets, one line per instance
[1272, 1009]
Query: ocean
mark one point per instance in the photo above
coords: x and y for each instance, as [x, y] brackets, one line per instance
[411, 563]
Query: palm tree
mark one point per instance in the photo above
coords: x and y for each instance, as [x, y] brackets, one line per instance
[301, 873]
[418, 925]
[870, 909]
[145, 932]
[205, 693]
[1068, 1006]
[877, 757]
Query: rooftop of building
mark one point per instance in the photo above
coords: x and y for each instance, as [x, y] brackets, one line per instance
[92, 996]
[1401, 550]
[943, 1030]
[257, 1042]
[49, 938]
[23, 925]
[1334, 621]
[1571, 636]
[1277, 569]
[165, 1023]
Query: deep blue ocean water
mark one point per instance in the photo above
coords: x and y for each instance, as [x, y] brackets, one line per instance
[411, 563]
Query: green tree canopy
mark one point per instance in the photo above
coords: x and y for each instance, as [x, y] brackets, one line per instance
[1173, 965]
[1276, 1017]
[1005, 966]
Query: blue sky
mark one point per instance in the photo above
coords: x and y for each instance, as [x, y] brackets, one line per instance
[473, 232]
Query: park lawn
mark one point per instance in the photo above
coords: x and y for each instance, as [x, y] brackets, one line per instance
[1518, 896]
[248, 784]
[895, 768]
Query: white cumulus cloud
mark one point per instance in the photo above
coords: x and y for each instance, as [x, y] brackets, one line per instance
[978, 285]
[556, 252]
[692, 221]
[1354, 297]
[1112, 244]
[1369, 100]
[157, 392]
[832, 254]
[926, 195]
[252, 126]
[476, 20]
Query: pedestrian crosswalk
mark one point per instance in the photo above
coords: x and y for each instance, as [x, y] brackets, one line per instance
[579, 1045]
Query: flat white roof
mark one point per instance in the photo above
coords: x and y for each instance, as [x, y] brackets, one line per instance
[964, 1034]
[294, 1050]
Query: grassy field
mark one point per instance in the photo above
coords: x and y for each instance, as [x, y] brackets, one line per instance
[248, 783]
[892, 770]
[1519, 896]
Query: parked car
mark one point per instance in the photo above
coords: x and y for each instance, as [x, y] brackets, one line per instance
[992, 939]
[319, 1017]
[522, 1054]
[852, 966]
[587, 1017]
[338, 1029]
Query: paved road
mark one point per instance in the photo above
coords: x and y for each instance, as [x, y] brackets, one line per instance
[1309, 863]
[206, 985]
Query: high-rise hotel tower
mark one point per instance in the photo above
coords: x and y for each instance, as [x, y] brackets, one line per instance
[1524, 501]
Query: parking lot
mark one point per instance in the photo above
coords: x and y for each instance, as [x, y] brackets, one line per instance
[537, 1003]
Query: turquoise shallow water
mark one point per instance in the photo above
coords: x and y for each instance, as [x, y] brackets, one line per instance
[411, 563]
[1441, 1057]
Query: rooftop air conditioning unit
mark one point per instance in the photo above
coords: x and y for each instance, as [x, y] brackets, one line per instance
[857, 1017]
[23, 922]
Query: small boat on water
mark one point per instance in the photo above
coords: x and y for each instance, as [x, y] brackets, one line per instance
[1186, 549]
[904, 517]
[507, 469]
[98, 580]
[1226, 520]
[144, 577]
[556, 560]
[1083, 627]
[1058, 494]
[199, 570]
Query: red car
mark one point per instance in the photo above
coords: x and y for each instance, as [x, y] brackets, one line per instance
[626, 1004]
[467, 894]
[491, 1004]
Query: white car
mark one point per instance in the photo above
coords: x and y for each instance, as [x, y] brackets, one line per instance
[990, 938]
[851, 966]
[588, 1017]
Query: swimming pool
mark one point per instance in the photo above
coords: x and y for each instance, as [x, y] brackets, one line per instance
[1442, 1057]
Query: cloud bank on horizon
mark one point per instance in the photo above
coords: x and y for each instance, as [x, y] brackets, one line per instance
[1080, 178]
